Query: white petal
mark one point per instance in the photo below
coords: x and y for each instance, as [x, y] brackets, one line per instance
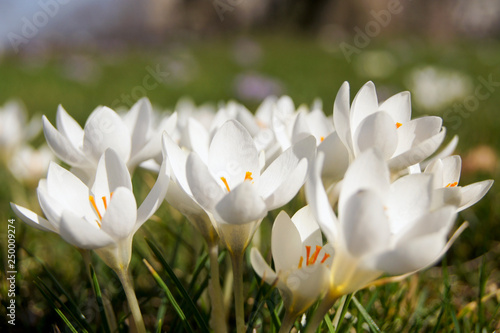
[241, 205]
[368, 172]
[445, 152]
[202, 185]
[82, 233]
[318, 201]
[364, 224]
[398, 107]
[341, 116]
[32, 219]
[69, 128]
[68, 190]
[286, 244]
[141, 113]
[417, 153]
[198, 138]
[377, 130]
[452, 166]
[120, 217]
[177, 159]
[111, 173]
[416, 131]
[232, 153]
[61, 145]
[155, 197]
[52, 209]
[473, 193]
[261, 267]
[286, 174]
[300, 128]
[364, 104]
[308, 228]
[336, 159]
[105, 129]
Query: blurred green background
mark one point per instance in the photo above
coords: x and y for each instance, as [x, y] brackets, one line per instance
[443, 54]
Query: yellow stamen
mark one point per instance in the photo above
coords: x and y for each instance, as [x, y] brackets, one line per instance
[92, 201]
[248, 175]
[398, 125]
[326, 256]
[225, 183]
[312, 260]
[300, 262]
[322, 138]
[452, 184]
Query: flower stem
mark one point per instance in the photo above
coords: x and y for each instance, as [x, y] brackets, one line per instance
[287, 323]
[325, 305]
[237, 262]
[126, 280]
[218, 321]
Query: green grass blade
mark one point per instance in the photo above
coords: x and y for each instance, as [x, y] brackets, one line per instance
[100, 303]
[345, 305]
[170, 297]
[366, 316]
[50, 298]
[328, 322]
[197, 315]
[482, 286]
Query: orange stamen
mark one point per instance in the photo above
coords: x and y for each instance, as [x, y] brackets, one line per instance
[92, 201]
[308, 252]
[104, 202]
[312, 260]
[225, 183]
[326, 256]
[452, 184]
[300, 262]
[248, 175]
[322, 138]
[398, 125]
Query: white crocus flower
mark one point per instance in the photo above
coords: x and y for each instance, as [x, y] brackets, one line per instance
[28, 165]
[231, 188]
[381, 226]
[446, 173]
[103, 217]
[366, 124]
[301, 262]
[131, 138]
[14, 129]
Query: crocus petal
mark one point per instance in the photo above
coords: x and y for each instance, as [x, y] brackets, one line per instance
[61, 146]
[336, 158]
[308, 228]
[376, 131]
[68, 190]
[416, 131]
[284, 177]
[69, 128]
[364, 104]
[473, 193]
[82, 233]
[364, 224]
[155, 197]
[232, 153]
[177, 159]
[241, 205]
[445, 152]
[368, 172]
[417, 153]
[141, 115]
[105, 129]
[111, 173]
[52, 209]
[300, 128]
[261, 267]
[120, 217]
[341, 115]
[398, 107]
[285, 243]
[409, 197]
[32, 219]
[199, 141]
[451, 170]
[318, 201]
[202, 184]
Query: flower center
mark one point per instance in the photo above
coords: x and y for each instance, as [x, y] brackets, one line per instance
[452, 184]
[311, 259]
[96, 209]
[248, 176]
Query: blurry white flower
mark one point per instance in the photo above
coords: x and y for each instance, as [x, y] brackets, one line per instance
[28, 165]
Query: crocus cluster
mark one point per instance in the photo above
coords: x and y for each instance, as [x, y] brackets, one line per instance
[376, 189]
